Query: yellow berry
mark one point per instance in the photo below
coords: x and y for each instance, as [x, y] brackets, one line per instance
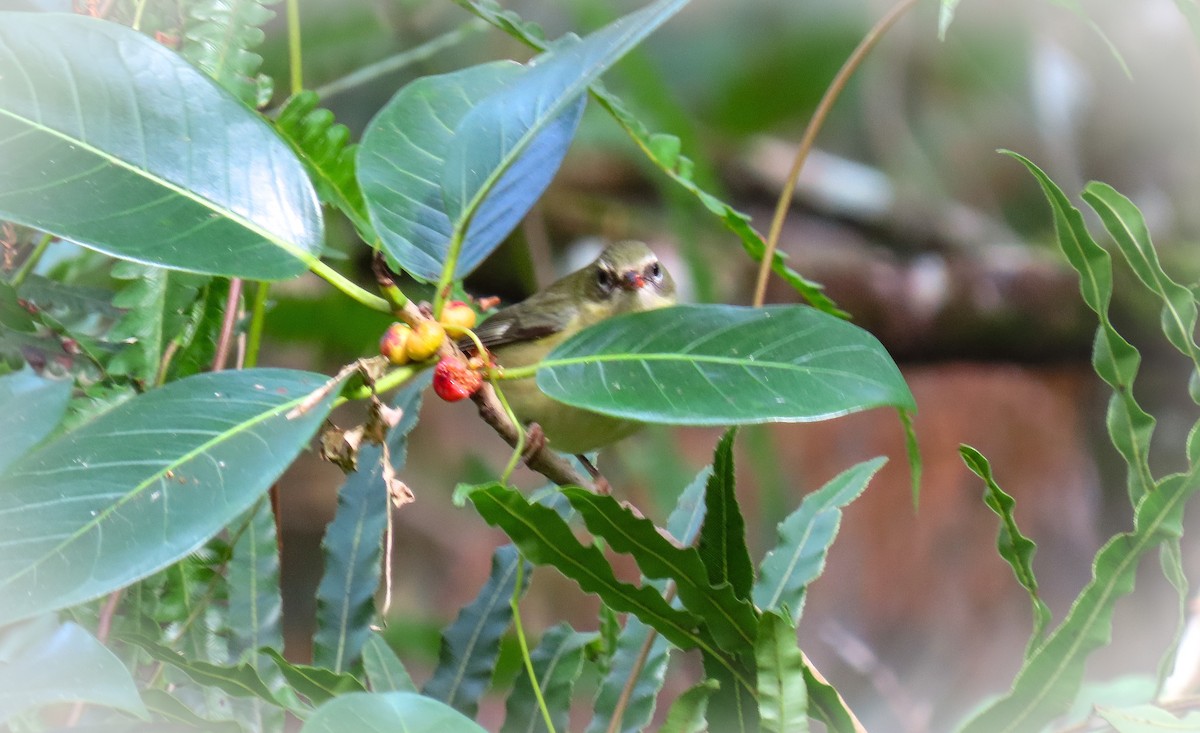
[457, 316]
[426, 339]
[394, 343]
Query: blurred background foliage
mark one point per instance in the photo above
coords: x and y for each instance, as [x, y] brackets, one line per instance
[934, 242]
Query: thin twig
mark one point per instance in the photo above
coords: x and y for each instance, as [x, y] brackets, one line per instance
[30, 262]
[832, 92]
[231, 312]
[614, 724]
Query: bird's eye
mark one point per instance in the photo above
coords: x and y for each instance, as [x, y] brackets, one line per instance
[654, 271]
[605, 279]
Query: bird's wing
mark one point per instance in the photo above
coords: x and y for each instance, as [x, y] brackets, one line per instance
[529, 320]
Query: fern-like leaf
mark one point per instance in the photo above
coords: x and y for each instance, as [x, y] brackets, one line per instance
[219, 37]
[323, 146]
[158, 304]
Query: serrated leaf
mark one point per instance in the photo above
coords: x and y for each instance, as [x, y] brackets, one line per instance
[509, 145]
[1114, 359]
[30, 408]
[166, 706]
[323, 145]
[471, 645]
[69, 665]
[82, 310]
[352, 546]
[546, 539]
[1016, 549]
[782, 695]
[161, 166]
[145, 484]
[722, 365]
[1128, 228]
[218, 37]
[731, 619]
[686, 714]
[723, 536]
[383, 668]
[557, 661]
[1050, 677]
[387, 712]
[664, 155]
[732, 707]
[804, 540]
[627, 660]
[315, 683]
[826, 705]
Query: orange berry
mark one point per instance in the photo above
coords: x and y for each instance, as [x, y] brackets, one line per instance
[394, 343]
[454, 381]
[426, 339]
[457, 315]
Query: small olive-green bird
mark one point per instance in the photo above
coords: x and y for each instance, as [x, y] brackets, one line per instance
[625, 278]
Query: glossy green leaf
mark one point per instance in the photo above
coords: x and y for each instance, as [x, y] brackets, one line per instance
[722, 364]
[509, 145]
[826, 705]
[388, 712]
[161, 166]
[145, 484]
[804, 540]
[546, 539]
[782, 695]
[219, 36]
[384, 670]
[663, 151]
[315, 683]
[557, 661]
[401, 156]
[471, 645]
[30, 408]
[1016, 549]
[1050, 677]
[644, 676]
[69, 665]
[731, 620]
[353, 544]
[723, 536]
[1114, 359]
[687, 712]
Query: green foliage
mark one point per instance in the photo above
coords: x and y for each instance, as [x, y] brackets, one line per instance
[219, 37]
[782, 694]
[383, 668]
[387, 712]
[723, 536]
[157, 305]
[557, 663]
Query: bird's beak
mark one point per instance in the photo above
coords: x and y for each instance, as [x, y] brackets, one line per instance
[632, 280]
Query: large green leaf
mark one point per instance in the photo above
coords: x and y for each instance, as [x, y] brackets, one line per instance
[353, 544]
[804, 540]
[145, 484]
[388, 712]
[471, 645]
[30, 407]
[401, 156]
[509, 145]
[557, 662]
[69, 665]
[723, 364]
[110, 139]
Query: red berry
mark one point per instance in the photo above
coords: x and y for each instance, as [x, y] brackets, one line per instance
[454, 381]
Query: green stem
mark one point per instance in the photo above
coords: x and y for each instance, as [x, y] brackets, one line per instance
[519, 448]
[515, 603]
[295, 62]
[399, 61]
[258, 315]
[342, 283]
[451, 264]
[386, 383]
[137, 15]
[30, 262]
